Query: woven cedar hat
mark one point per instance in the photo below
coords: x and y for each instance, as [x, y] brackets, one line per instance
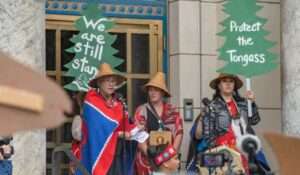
[158, 81]
[105, 70]
[214, 83]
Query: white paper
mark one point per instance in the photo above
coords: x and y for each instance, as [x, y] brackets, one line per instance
[140, 136]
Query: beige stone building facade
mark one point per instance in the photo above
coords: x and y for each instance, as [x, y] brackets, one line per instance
[193, 58]
[191, 62]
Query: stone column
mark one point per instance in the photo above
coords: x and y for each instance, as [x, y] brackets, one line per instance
[291, 66]
[22, 34]
[184, 50]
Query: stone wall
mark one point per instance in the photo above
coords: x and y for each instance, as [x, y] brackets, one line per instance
[291, 66]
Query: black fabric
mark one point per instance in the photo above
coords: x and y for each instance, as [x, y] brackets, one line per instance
[152, 121]
[221, 119]
[241, 129]
[123, 163]
[116, 166]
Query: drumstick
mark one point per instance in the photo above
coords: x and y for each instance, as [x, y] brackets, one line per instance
[22, 99]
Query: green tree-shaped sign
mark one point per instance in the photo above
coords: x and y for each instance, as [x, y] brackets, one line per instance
[92, 46]
[246, 50]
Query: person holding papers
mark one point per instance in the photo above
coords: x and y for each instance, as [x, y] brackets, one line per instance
[104, 121]
[161, 121]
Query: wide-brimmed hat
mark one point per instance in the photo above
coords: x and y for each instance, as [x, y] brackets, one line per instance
[105, 70]
[238, 82]
[158, 81]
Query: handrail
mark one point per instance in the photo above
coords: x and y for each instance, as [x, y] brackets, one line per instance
[66, 150]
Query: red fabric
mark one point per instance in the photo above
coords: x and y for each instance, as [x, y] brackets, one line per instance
[232, 108]
[125, 125]
[166, 155]
[227, 139]
[76, 149]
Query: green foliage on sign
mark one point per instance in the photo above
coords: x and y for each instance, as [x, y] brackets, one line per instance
[92, 46]
[246, 49]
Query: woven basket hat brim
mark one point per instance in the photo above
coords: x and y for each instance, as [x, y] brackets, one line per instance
[165, 90]
[104, 71]
[238, 82]
[158, 81]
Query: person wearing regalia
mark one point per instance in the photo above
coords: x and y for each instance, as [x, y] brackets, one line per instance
[225, 123]
[157, 115]
[104, 121]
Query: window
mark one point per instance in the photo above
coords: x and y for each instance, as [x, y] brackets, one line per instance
[140, 45]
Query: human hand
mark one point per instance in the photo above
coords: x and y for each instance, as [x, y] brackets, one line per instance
[250, 96]
[125, 135]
